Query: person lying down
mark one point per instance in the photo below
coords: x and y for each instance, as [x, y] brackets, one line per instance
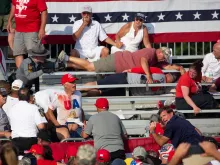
[132, 76]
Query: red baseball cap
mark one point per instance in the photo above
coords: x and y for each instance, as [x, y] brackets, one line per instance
[37, 149]
[103, 155]
[71, 151]
[67, 78]
[102, 103]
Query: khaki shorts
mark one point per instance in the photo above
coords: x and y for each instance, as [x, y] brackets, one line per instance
[4, 22]
[105, 64]
[24, 42]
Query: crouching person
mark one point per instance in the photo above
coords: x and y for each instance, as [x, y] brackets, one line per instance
[34, 66]
[25, 121]
[67, 102]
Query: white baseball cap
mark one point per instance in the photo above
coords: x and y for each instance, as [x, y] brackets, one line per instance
[17, 84]
[86, 8]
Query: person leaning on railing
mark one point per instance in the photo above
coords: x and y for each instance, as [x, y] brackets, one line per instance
[189, 94]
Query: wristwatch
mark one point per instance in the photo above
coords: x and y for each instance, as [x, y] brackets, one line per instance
[152, 132]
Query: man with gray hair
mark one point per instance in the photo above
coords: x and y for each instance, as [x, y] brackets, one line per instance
[86, 155]
[121, 61]
[87, 32]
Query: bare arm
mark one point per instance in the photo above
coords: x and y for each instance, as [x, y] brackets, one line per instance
[43, 24]
[111, 42]
[11, 16]
[175, 67]
[84, 135]
[52, 117]
[213, 88]
[146, 38]
[161, 140]
[146, 68]
[78, 33]
[122, 32]
[185, 91]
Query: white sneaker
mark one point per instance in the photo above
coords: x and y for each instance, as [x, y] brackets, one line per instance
[61, 56]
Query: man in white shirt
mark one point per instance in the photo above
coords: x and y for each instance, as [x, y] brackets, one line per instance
[12, 99]
[87, 33]
[132, 34]
[25, 121]
[211, 65]
[43, 100]
[64, 102]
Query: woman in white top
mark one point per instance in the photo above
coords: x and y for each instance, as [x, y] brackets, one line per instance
[132, 34]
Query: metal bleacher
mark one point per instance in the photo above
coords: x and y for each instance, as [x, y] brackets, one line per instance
[134, 107]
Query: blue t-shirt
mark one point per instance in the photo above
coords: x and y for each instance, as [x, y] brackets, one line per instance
[179, 130]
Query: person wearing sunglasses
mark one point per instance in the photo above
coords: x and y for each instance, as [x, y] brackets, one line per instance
[132, 34]
[87, 33]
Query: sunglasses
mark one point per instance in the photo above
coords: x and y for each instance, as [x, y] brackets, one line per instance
[86, 13]
[139, 19]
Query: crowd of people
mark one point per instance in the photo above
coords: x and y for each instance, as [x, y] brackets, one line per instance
[34, 120]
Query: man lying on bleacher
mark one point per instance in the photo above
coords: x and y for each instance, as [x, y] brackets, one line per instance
[120, 61]
[133, 76]
[211, 67]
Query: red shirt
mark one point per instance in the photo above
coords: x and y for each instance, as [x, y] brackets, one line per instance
[127, 60]
[140, 70]
[28, 14]
[185, 80]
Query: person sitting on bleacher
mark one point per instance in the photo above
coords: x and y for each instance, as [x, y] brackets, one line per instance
[189, 93]
[211, 67]
[133, 76]
[67, 114]
[87, 32]
[120, 61]
[132, 34]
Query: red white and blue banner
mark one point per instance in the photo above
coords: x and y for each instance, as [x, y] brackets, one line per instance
[166, 20]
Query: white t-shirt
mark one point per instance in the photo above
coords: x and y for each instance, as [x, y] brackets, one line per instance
[90, 35]
[24, 118]
[64, 106]
[43, 98]
[211, 66]
[10, 102]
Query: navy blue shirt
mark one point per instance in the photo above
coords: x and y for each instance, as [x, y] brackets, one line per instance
[179, 130]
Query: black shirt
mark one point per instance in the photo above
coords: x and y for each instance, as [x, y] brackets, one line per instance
[179, 130]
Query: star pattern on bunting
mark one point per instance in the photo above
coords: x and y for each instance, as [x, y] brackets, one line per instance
[108, 18]
[197, 15]
[72, 19]
[215, 15]
[125, 17]
[150, 17]
[179, 16]
[55, 18]
[161, 17]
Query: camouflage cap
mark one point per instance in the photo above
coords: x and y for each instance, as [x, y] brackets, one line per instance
[166, 52]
